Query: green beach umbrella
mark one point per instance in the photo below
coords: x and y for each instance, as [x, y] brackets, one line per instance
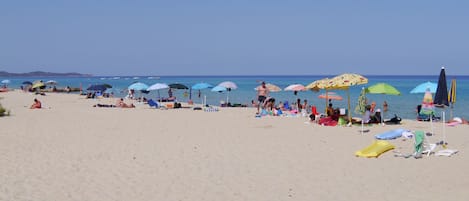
[382, 88]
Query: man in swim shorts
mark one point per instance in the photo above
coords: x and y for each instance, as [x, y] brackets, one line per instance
[262, 93]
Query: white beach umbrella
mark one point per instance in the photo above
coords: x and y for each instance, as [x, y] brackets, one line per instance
[6, 81]
[157, 87]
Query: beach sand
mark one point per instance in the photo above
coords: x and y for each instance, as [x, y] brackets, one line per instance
[72, 151]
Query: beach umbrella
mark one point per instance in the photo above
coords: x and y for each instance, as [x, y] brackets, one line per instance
[138, 86]
[360, 108]
[452, 96]
[270, 87]
[219, 89]
[382, 88]
[441, 95]
[97, 87]
[157, 87]
[330, 96]
[202, 85]
[51, 82]
[6, 81]
[228, 85]
[345, 81]
[27, 83]
[422, 88]
[177, 86]
[295, 88]
[319, 84]
[38, 85]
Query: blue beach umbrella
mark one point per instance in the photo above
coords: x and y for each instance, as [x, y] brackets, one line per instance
[218, 89]
[202, 85]
[138, 86]
[422, 88]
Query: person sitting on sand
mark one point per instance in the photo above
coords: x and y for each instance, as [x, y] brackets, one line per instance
[36, 104]
[120, 103]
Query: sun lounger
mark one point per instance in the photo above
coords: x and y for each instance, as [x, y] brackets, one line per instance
[377, 148]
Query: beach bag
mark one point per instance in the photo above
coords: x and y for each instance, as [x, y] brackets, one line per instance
[394, 120]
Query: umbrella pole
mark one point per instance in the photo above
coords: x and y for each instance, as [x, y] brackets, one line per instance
[444, 127]
[327, 99]
[348, 112]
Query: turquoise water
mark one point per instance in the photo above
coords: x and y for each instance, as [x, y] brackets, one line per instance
[403, 105]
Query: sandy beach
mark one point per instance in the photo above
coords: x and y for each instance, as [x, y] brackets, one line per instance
[72, 151]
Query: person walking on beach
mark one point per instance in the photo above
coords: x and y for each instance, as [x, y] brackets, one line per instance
[262, 93]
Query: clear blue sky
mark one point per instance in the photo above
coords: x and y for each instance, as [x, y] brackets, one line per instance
[240, 37]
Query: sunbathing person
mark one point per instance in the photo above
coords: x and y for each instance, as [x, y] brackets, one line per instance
[458, 120]
[36, 105]
[120, 103]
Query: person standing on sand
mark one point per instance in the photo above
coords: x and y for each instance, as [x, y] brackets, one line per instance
[385, 106]
[262, 93]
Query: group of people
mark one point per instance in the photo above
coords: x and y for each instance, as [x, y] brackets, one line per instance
[267, 103]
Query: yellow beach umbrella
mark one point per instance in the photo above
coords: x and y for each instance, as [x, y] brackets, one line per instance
[319, 84]
[345, 81]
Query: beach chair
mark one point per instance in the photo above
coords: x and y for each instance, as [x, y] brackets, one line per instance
[422, 145]
[152, 103]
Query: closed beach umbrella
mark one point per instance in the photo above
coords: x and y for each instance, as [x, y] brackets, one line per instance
[452, 96]
[360, 109]
[422, 88]
[441, 95]
[330, 96]
[382, 88]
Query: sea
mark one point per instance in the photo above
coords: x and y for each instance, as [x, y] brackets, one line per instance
[403, 105]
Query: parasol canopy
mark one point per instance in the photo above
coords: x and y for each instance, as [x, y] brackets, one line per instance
[360, 108]
[228, 85]
[270, 87]
[295, 87]
[422, 88]
[138, 86]
[382, 88]
[38, 84]
[177, 86]
[158, 86]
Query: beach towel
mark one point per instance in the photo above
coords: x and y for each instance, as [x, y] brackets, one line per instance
[389, 135]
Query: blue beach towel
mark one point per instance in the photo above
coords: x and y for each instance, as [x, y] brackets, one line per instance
[389, 135]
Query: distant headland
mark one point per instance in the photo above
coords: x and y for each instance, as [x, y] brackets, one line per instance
[42, 74]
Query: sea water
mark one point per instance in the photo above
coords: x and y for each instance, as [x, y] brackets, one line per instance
[403, 105]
